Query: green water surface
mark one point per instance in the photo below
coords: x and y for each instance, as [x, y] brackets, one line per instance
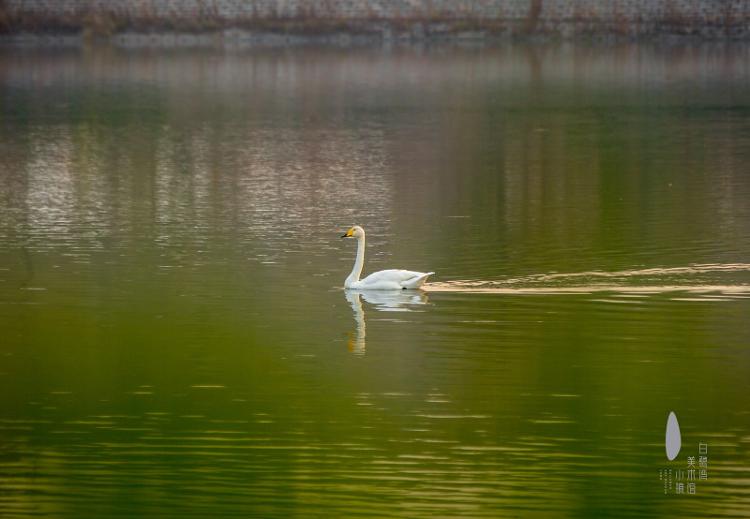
[175, 338]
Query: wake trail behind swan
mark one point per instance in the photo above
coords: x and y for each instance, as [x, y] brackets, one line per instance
[730, 279]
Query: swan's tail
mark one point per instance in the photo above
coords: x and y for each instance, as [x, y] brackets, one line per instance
[417, 281]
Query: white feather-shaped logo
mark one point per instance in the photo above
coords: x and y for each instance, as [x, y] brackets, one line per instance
[673, 439]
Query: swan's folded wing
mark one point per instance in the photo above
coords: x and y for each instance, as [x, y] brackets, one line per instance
[396, 275]
[402, 278]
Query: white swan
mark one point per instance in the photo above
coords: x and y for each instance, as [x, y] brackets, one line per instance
[393, 279]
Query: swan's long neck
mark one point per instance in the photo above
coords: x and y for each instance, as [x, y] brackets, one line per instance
[358, 263]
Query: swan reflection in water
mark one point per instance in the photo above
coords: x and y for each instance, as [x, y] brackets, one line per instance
[383, 301]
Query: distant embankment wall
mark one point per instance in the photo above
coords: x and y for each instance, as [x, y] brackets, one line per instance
[381, 19]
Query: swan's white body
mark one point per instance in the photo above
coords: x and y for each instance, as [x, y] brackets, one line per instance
[393, 279]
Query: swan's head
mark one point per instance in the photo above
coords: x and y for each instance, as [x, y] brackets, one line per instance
[354, 232]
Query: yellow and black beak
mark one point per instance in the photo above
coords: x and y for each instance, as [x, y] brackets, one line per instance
[348, 234]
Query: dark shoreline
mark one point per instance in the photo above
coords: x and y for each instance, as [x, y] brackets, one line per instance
[164, 24]
[244, 38]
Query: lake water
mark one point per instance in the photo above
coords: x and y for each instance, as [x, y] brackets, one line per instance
[176, 341]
